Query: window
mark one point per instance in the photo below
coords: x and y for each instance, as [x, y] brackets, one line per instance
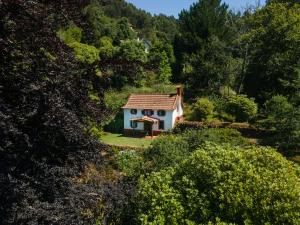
[161, 125]
[147, 112]
[161, 112]
[133, 124]
[133, 111]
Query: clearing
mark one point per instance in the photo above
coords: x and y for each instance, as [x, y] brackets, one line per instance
[123, 141]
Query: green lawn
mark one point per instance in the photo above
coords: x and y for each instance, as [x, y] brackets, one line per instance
[120, 140]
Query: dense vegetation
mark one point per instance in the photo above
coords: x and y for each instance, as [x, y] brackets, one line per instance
[67, 68]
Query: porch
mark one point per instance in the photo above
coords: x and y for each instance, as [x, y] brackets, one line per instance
[150, 127]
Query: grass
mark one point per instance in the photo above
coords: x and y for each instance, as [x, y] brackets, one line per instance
[121, 140]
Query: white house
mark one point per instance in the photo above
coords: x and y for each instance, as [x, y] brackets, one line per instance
[152, 113]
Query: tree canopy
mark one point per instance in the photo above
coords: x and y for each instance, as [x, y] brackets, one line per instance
[223, 184]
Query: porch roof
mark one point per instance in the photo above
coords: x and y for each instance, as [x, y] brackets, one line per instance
[145, 119]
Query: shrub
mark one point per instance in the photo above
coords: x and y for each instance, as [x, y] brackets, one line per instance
[278, 106]
[85, 53]
[133, 50]
[241, 107]
[235, 185]
[194, 125]
[106, 48]
[167, 151]
[202, 109]
[72, 34]
[284, 118]
[219, 136]
[130, 163]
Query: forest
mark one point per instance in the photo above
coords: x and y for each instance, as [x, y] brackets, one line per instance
[66, 69]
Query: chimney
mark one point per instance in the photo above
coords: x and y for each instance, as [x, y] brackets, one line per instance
[179, 90]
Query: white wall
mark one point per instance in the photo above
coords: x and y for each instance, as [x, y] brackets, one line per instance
[128, 116]
[168, 118]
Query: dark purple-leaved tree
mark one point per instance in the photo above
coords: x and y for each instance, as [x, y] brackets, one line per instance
[43, 105]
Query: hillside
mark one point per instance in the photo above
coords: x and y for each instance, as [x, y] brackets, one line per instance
[66, 70]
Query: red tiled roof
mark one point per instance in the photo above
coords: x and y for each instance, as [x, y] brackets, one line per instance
[152, 101]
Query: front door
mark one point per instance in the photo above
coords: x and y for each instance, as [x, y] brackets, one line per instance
[148, 128]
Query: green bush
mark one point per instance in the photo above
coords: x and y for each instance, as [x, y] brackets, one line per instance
[277, 107]
[194, 125]
[219, 136]
[133, 50]
[231, 184]
[106, 48]
[166, 151]
[130, 163]
[72, 34]
[85, 53]
[241, 107]
[202, 109]
[169, 150]
[284, 118]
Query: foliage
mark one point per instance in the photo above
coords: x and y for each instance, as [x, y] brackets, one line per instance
[278, 106]
[165, 71]
[204, 59]
[170, 150]
[273, 38]
[130, 163]
[284, 118]
[85, 53]
[106, 48]
[72, 34]
[101, 24]
[44, 101]
[220, 136]
[241, 107]
[167, 151]
[235, 185]
[133, 50]
[159, 47]
[202, 109]
[125, 32]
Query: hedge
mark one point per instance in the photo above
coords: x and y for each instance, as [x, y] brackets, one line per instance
[244, 128]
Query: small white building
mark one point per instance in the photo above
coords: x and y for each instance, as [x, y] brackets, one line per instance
[152, 114]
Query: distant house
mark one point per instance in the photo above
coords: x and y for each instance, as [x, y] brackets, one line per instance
[146, 43]
[152, 113]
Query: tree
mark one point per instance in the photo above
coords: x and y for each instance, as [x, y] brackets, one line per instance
[71, 34]
[85, 53]
[284, 118]
[44, 103]
[100, 24]
[273, 38]
[164, 69]
[165, 25]
[106, 48]
[124, 31]
[228, 184]
[241, 107]
[202, 109]
[204, 57]
[133, 50]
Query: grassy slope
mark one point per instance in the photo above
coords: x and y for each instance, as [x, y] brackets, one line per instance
[120, 140]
